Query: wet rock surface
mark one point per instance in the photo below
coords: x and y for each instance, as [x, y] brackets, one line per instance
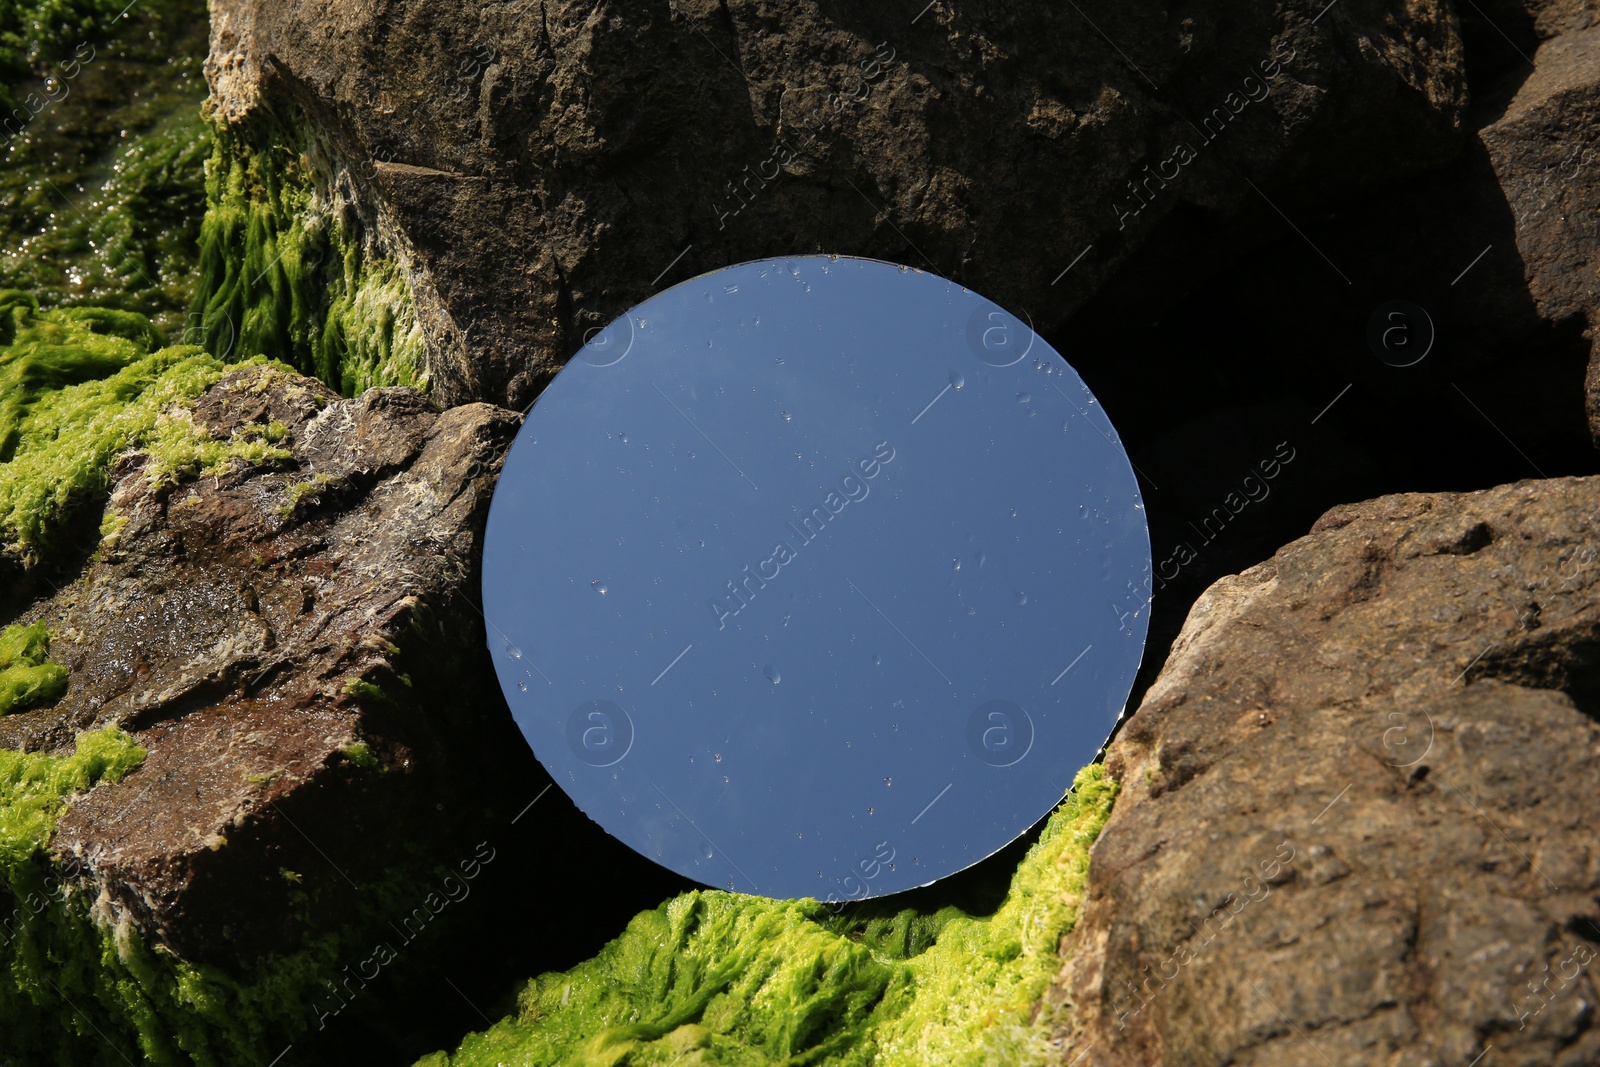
[296, 645]
[538, 171]
[1356, 814]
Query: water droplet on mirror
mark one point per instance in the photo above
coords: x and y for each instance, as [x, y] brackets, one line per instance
[717, 756]
[1023, 398]
[706, 850]
[958, 380]
[622, 437]
[522, 685]
[888, 781]
[1022, 598]
[772, 672]
[599, 587]
[786, 416]
[955, 564]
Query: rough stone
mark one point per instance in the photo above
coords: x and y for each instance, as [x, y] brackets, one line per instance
[1356, 814]
[1545, 150]
[294, 645]
[538, 169]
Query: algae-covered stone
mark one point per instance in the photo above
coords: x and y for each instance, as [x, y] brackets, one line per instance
[275, 612]
[77, 387]
[717, 978]
[538, 176]
[290, 269]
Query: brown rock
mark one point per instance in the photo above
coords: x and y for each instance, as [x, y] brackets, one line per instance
[1545, 150]
[1356, 824]
[537, 171]
[251, 629]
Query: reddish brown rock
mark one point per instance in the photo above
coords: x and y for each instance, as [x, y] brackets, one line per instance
[297, 646]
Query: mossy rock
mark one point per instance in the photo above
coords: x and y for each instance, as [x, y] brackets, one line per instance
[77, 387]
[284, 271]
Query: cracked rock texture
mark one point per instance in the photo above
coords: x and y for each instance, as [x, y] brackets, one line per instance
[1357, 812]
[297, 647]
[539, 168]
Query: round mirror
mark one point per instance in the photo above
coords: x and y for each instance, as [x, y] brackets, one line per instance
[816, 577]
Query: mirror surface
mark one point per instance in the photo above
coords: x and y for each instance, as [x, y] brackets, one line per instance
[816, 577]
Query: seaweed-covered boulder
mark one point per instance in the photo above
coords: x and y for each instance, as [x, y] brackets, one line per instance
[498, 184]
[1356, 818]
[270, 677]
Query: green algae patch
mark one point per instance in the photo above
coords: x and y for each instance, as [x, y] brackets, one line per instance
[79, 386]
[36, 35]
[34, 788]
[716, 978]
[280, 268]
[180, 450]
[973, 994]
[80, 987]
[27, 677]
[102, 154]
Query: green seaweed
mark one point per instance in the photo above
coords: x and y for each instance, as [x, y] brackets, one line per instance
[279, 267]
[715, 978]
[34, 787]
[36, 35]
[359, 753]
[77, 387]
[27, 677]
[102, 154]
